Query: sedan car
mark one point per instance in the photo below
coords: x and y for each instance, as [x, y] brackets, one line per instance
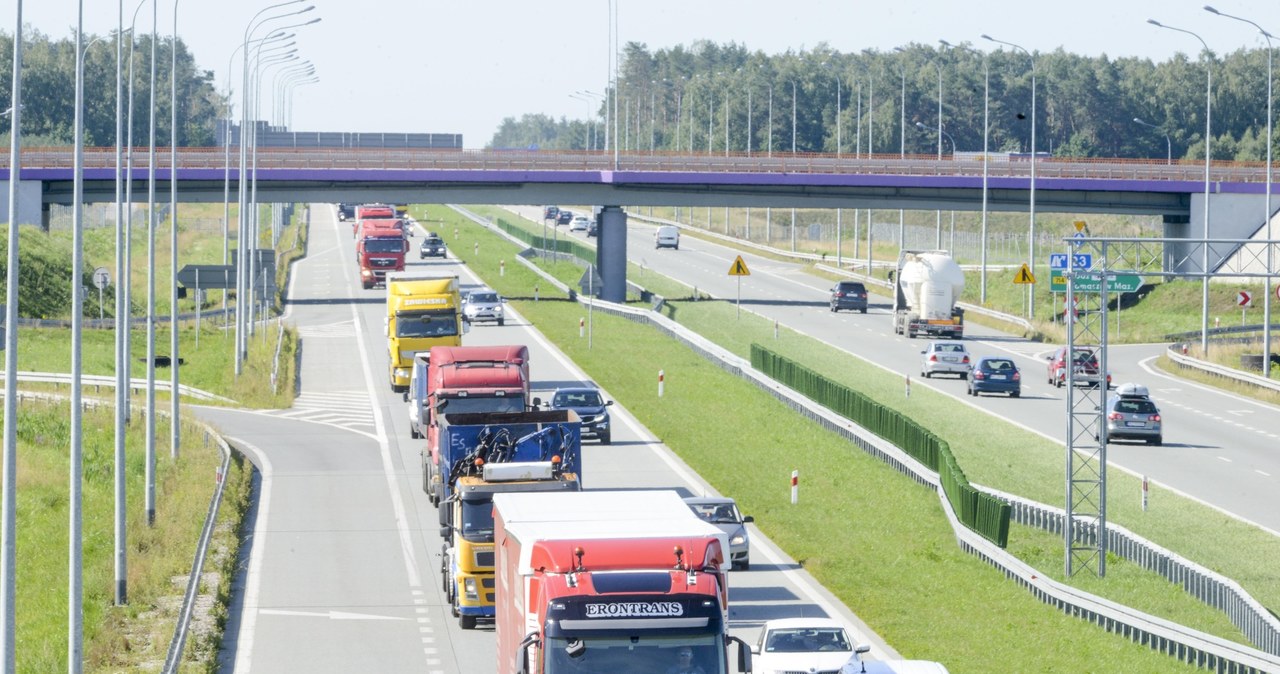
[822, 645]
[564, 217]
[590, 407]
[945, 358]
[723, 512]
[432, 246]
[851, 295]
[1132, 415]
[993, 374]
[1085, 369]
[483, 305]
[580, 223]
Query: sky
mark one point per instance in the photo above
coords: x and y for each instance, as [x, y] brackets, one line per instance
[462, 66]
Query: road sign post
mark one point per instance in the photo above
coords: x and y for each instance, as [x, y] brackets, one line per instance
[1243, 300]
[101, 278]
[739, 269]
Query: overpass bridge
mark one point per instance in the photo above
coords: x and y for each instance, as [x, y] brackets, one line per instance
[1174, 191]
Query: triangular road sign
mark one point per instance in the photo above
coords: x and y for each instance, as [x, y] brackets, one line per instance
[739, 268]
[1024, 276]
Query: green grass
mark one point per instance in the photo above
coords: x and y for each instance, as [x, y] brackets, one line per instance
[899, 533]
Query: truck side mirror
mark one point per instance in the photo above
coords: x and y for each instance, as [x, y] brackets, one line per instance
[537, 402]
[444, 532]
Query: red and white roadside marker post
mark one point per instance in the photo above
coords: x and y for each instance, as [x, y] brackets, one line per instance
[795, 487]
[662, 375]
[908, 386]
[1145, 490]
[502, 267]
[582, 327]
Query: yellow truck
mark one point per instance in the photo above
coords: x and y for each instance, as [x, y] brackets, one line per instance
[423, 310]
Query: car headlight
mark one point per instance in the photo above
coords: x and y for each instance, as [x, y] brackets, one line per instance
[740, 539]
[497, 310]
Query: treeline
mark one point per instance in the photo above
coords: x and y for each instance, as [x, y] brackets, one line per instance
[48, 91]
[682, 98]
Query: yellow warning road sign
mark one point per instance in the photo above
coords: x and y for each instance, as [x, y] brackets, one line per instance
[1024, 276]
[1081, 226]
[739, 268]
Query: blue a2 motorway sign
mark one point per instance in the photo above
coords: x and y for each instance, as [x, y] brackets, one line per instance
[1082, 261]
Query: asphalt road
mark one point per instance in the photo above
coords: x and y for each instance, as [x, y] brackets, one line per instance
[340, 572]
[1219, 448]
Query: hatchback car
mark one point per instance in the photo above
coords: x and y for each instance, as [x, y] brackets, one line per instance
[581, 223]
[945, 358]
[723, 512]
[993, 374]
[564, 217]
[432, 246]
[1132, 415]
[483, 305]
[1084, 367]
[590, 406]
[593, 229]
[850, 295]
[550, 212]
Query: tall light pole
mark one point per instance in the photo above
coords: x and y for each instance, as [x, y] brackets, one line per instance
[986, 159]
[127, 279]
[151, 282]
[1266, 295]
[793, 152]
[902, 145]
[121, 326]
[174, 398]
[8, 549]
[1031, 230]
[1168, 145]
[75, 529]
[1208, 112]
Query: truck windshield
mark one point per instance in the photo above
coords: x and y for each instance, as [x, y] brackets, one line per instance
[635, 653]
[477, 518]
[429, 324]
[384, 245]
[513, 403]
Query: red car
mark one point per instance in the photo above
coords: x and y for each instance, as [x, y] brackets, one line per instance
[1085, 364]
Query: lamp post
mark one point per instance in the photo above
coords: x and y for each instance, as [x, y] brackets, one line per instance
[1266, 295]
[121, 327]
[793, 152]
[986, 128]
[902, 148]
[1208, 112]
[127, 279]
[75, 529]
[8, 548]
[174, 398]
[150, 497]
[1168, 144]
[942, 132]
[1031, 230]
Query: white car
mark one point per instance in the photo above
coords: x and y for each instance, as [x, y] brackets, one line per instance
[580, 223]
[483, 305]
[945, 357]
[822, 645]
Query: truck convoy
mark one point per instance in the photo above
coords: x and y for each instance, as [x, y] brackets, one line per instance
[474, 379]
[422, 312]
[371, 212]
[609, 581]
[928, 285]
[379, 251]
[467, 561]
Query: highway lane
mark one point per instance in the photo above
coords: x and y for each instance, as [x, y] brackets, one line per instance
[1219, 447]
[342, 568]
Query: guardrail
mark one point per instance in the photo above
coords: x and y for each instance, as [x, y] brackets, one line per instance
[1186, 644]
[1221, 370]
[96, 380]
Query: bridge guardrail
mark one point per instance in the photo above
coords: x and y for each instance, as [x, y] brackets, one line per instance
[1184, 643]
[1221, 370]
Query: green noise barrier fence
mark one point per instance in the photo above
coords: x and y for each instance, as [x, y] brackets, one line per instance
[558, 245]
[985, 514]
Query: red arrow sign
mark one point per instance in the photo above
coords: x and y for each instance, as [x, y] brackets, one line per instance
[1243, 299]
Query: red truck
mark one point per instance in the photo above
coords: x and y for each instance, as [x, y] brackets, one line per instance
[379, 250]
[371, 212]
[469, 379]
[609, 581]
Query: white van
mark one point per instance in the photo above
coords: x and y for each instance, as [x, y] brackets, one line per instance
[667, 236]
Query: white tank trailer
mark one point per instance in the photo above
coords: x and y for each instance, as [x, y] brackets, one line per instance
[928, 284]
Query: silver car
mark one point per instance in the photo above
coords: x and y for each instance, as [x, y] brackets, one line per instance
[1132, 415]
[945, 358]
[483, 305]
[723, 512]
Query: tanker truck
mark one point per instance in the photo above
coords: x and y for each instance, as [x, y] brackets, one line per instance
[928, 285]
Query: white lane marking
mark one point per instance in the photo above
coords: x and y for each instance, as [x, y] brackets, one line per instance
[1225, 459]
[1239, 413]
[1262, 472]
[253, 582]
[1146, 365]
[331, 615]
[384, 451]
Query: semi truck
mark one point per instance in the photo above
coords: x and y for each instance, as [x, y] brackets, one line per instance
[496, 437]
[928, 284]
[379, 251]
[370, 212]
[471, 379]
[467, 561]
[422, 312]
[609, 581]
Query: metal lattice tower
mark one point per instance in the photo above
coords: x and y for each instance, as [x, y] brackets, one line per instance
[1085, 532]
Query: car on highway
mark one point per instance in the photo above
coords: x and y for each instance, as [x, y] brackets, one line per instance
[667, 236]
[822, 645]
[723, 512]
[590, 406]
[580, 223]
[594, 229]
[1133, 415]
[945, 358]
[550, 212]
[564, 217]
[483, 305]
[850, 295]
[432, 246]
[995, 374]
[1084, 367]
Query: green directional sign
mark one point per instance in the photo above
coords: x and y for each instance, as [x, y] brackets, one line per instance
[1092, 283]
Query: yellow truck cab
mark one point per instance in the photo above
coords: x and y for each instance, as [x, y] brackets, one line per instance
[423, 310]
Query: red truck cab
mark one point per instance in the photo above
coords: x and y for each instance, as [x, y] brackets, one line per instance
[379, 250]
[371, 212]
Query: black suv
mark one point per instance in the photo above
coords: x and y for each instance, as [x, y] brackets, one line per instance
[564, 217]
[850, 295]
[432, 246]
[550, 212]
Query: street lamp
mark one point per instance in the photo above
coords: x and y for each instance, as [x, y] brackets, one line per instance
[1266, 296]
[986, 159]
[121, 328]
[1208, 112]
[793, 151]
[1168, 144]
[943, 131]
[174, 361]
[1031, 231]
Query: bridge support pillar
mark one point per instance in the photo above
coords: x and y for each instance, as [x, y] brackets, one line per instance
[1231, 216]
[611, 253]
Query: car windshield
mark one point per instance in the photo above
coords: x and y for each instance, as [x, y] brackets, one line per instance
[435, 241]
[851, 288]
[477, 518]
[1000, 365]
[1083, 355]
[804, 640]
[949, 348]
[384, 245]
[1135, 406]
[577, 399]
[483, 298]
[426, 325]
[716, 513]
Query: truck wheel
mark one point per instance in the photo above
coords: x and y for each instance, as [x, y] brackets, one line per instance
[413, 433]
[467, 622]
[1057, 383]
